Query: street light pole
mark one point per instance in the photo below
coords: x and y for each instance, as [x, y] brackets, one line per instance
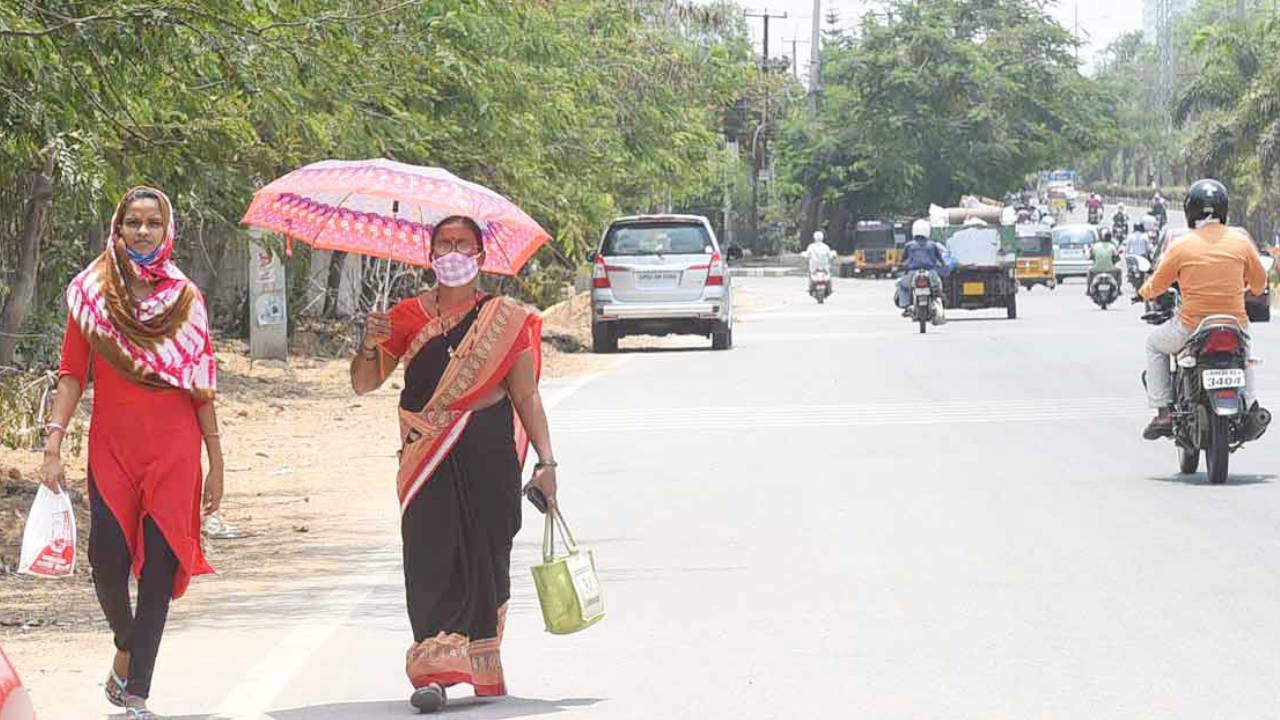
[764, 121]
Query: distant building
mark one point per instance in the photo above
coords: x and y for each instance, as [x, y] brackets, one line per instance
[1150, 12]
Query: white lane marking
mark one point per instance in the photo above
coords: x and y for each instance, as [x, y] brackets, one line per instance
[719, 418]
[819, 314]
[262, 683]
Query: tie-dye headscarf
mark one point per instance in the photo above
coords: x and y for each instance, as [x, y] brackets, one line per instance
[162, 341]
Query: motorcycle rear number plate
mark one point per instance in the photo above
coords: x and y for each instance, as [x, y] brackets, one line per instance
[658, 277]
[923, 291]
[974, 288]
[1218, 379]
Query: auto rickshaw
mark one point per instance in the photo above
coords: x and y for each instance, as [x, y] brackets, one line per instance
[982, 272]
[1035, 259]
[877, 251]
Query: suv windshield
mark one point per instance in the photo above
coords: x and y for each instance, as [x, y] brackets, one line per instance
[656, 239]
[1073, 236]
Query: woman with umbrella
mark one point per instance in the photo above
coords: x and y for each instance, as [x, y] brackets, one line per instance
[470, 405]
[471, 384]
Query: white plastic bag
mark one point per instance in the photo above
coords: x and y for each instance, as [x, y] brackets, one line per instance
[49, 540]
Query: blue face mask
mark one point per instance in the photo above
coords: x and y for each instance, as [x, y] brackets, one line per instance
[144, 260]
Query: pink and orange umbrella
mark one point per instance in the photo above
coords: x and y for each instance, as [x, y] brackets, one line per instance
[389, 210]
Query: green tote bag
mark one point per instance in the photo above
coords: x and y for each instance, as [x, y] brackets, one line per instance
[568, 588]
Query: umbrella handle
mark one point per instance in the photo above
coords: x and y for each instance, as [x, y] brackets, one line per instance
[386, 276]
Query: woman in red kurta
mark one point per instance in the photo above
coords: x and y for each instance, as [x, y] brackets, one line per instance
[139, 328]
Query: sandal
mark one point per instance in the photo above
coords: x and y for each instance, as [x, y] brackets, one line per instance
[428, 699]
[114, 689]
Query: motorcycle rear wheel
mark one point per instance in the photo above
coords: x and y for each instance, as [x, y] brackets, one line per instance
[1219, 450]
[924, 325]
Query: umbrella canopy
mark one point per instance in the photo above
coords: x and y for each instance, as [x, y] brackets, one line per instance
[389, 209]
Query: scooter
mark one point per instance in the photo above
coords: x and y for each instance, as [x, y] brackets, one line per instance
[820, 285]
[1139, 270]
[1095, 216]
[1104, 289]
[1209, 412]
[926, 307]
[1120, 228]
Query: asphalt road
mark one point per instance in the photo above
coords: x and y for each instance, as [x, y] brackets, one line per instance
[837, 518]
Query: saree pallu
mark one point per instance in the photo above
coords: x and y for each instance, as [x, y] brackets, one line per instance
[459, 487]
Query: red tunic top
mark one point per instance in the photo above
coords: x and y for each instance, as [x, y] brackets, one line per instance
[144, 457]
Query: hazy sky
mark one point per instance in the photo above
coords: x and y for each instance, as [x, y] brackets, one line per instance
[1101, 21]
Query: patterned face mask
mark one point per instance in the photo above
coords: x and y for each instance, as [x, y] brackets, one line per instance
[456, 269]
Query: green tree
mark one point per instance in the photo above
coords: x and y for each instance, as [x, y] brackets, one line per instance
[577, 110]
[930, 100]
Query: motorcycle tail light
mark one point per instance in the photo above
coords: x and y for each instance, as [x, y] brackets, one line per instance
[1221, 341]
[922, 281]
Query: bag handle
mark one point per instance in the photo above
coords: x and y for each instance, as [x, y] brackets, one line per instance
[555, 523]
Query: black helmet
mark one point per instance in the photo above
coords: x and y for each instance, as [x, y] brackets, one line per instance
[1106, 235]
[1205, 198]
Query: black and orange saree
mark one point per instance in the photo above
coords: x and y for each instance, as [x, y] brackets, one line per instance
[459, 483]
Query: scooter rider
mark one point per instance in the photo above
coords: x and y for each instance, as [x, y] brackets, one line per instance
[1138, 244]
[1120, 219]
[1160, 210]
[920, 254]
[1104, 254]
[1213, 265]
[1094, 204]
[819, 255]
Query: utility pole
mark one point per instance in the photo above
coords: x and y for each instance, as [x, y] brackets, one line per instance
[795, 58]
[766, 16]
[760, 148]
[1075, 33]
[1164, 84]
[815, 57]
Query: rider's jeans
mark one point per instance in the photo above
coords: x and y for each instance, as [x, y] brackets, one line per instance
[904, 287]
[1166, 340]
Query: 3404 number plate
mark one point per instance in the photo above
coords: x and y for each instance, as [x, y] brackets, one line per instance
[1221, 379]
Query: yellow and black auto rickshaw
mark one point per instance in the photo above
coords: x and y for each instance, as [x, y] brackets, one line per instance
[1035, 259]
[877, 248]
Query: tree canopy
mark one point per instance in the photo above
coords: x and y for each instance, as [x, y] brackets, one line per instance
[578, 110]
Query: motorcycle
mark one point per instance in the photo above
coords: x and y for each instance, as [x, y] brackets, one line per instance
[1209, 413]
[1161, 215]
[1120, 228]
[926, 307]
[1104, 289]
[1139, 270]
[1095, 215]
[820, 285]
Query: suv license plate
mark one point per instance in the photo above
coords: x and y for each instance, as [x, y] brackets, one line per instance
[658, 277]
[1219, 379]
[974, 288]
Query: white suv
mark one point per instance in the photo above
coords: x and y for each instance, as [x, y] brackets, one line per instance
[660, 275]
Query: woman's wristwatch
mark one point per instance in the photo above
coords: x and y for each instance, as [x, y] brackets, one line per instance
[545, 464]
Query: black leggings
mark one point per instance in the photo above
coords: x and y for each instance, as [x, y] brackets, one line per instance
[137, 634]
